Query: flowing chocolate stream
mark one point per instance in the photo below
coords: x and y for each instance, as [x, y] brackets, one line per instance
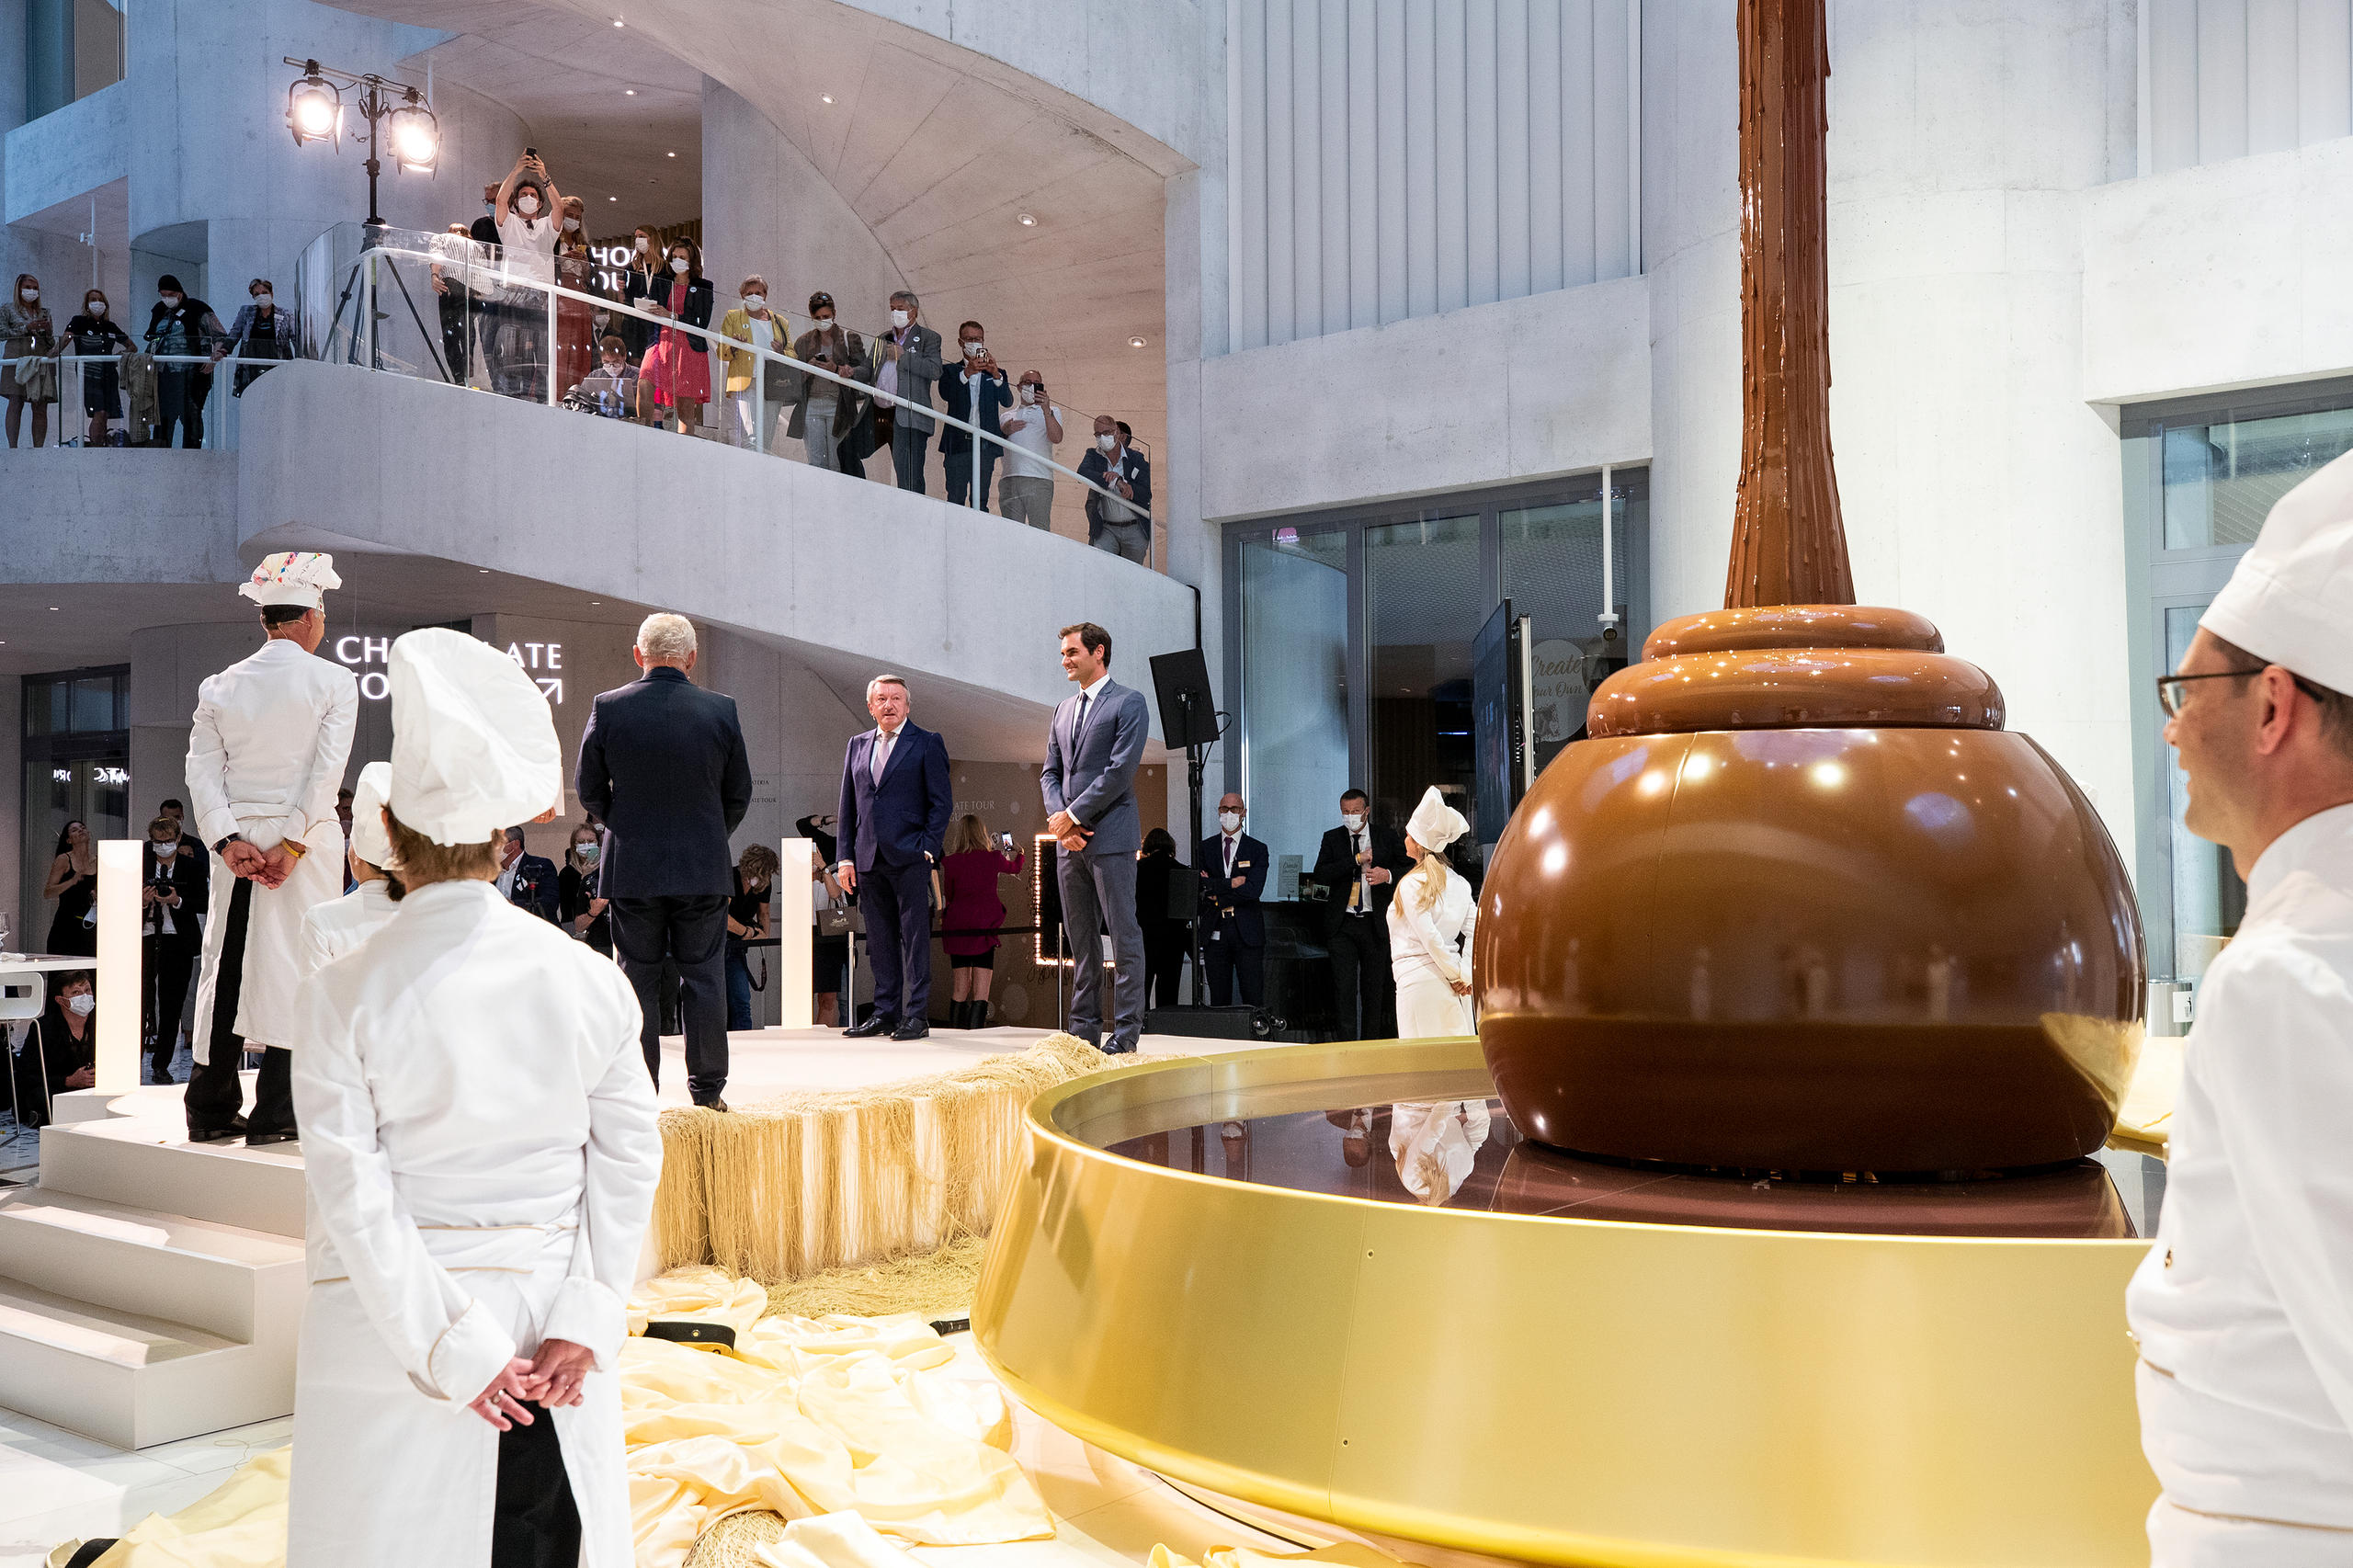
[1788, 545]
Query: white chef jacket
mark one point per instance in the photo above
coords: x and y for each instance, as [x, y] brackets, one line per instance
[334, 928]
[2243, 1307]
[480, 1138]
[1429, 951]
[266, 755]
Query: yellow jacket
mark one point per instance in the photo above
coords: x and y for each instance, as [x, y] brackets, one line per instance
[737, 325]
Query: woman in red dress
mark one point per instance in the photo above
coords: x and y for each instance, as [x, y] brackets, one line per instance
[676, 373]
[967, 880]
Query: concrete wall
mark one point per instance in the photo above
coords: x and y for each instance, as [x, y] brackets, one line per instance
[70, 153]
[2224, 78]
[92, 518]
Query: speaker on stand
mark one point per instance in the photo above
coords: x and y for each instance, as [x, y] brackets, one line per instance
[1188, 717]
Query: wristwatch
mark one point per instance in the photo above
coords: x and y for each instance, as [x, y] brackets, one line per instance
[227, 840]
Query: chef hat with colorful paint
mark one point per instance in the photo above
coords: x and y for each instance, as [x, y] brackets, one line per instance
[292, 577]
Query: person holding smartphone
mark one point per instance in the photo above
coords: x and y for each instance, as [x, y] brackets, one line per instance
[1032, 427]
[973, 911]
[823, 411]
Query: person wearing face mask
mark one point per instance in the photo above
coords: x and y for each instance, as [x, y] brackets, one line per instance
[575, 328]
[180, 325]
[1119, 522]
[1233, 879]
[974, 389]
[25, 322]
[903, 362]
[61, 1052]
[527, 205]
[1358, 865]
[96, 332]
[1033, 429]
[825, 413]
[577, 908]
[750, 417]
[644, 279]
[171, 892]
[263, 330]
[676, 373]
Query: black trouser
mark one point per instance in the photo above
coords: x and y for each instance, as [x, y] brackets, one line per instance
[214, 1093]
[960, 475]
[690, 930]
[1164, 964]
[179, 400]
[909, 448]
[534, 1521]
[1227, 958]
[897, 902]
[165, 988]
[1364, 986]
[457, 350]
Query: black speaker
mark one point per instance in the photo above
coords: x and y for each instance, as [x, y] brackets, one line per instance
[1201, 1023]
[1188, 707]
[1050, 890]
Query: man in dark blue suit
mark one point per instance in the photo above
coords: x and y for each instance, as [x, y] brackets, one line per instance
[663, 766]
[895, 801]
[528, 881]
[975, 389]
[1234, 879]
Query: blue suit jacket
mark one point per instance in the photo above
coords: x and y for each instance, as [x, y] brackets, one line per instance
[995, 392]
[1247, 924]
[1093, 776]
[535, 885]
[663, 766]
[903, 818]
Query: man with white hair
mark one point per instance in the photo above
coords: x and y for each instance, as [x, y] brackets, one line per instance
[895, 799]
[663, 766]
[2243, 1307]
[482, 1151]
[266, 755]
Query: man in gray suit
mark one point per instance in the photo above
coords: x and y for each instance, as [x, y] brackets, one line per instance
[1090, 787]
[905, 361]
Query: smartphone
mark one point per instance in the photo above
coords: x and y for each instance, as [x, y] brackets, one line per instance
[530, 151]
[1005, 839]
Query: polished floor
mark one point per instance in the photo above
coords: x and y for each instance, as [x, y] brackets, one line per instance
[1467, 1160]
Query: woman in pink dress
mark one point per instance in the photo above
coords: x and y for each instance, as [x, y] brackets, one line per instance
[968, 883]
[676, 372]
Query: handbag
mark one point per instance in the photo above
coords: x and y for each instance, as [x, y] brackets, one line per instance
[839, 921]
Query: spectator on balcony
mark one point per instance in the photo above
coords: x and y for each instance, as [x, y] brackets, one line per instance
[611, 388]
[25, 322]
[528, 205]
[904, 362]
[974, 390]
[1033, 429]
[678, 367]
[181, 325]
[453, 252]
[751, 416]
[643, 282]
[262, 331]
[95, 332]
[575, 331]
[1122, 526]
[825, 413]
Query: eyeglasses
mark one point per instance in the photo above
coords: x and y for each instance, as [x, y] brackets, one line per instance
[2169, 687]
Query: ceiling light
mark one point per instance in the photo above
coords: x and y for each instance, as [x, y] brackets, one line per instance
[1026, 220]
[1135, 343]
[612, 198]
[619, 23]
[52, 607]
[826, 97]
[669, 154]
[483, 569]
[628, 92]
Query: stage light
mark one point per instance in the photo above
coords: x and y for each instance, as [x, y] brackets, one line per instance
[313, 107]
[416, 135]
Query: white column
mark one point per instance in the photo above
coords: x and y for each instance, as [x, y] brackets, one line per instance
[796, 936]
[119, 964]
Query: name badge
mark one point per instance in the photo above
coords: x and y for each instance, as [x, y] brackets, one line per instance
[1239, 865]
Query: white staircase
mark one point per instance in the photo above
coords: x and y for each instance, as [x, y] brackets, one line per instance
[150, 1289]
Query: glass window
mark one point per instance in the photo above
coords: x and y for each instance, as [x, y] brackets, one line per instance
[1552, 574]
[1423, 604]
[2220, 478]
[1293, 609]
[92, 712]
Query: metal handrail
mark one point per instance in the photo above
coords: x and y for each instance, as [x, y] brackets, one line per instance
[799, 367]
[22, 362]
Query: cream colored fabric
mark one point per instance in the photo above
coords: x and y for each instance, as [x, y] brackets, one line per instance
[239, 1524]
[1348, 1554]
[474, 747]
[2148, 1111]
[833, 1541]
[817, 1180]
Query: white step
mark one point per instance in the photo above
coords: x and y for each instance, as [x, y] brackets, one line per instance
[148, 1163]
[224, 1279]
[129, 1379]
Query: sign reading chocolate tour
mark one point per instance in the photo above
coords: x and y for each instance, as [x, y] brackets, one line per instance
[367, 654]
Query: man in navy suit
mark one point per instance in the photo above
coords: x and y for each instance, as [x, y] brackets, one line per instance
[896, 800]
[526, 880]
[1233, 878]
[1092, 750]
[663, 766]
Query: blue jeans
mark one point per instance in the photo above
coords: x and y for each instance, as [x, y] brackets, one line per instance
[739, 988]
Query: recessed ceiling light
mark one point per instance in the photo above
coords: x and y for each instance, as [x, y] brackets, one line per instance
[618, 22]
[483, 569]
[669, 154]
[628, 92]
[612, 198]
[1026, 220]
[1135, 343]
[594, 603]
[826, 97]
[52, 607]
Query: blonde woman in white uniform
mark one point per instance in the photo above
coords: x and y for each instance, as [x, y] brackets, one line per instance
[1429, 949]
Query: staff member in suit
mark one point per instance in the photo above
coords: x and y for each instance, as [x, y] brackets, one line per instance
[1114, 525]
[526, 880]
[975, 389]
[1358, 865]
[894, 805]
[1234, 876]
[663, 766]
[266, 755]
[1089, 783]
[904, 362]
[171, 892]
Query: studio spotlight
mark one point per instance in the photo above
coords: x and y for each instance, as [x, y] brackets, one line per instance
[313, 107]
[416, 135]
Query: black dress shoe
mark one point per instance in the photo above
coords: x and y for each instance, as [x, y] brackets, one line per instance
[874, 1026]
[235, 1129]
[1116, 1049]
[714, 1103]
[279, 1135]
[913, 1028]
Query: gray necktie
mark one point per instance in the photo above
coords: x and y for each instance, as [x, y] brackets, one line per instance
[883, 754]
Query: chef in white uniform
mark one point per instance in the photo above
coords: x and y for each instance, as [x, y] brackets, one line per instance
[2243, 1309]
[334, 928]
[1429, 929]
[482, 1150]
[265, 756]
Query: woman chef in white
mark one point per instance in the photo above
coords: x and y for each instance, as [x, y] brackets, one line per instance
[266, 755]
[334, 928]
[482, 1151]
[1429, 949]
[2243, 1307]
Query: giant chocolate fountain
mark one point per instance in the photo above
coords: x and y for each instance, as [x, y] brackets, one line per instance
[1801, 903]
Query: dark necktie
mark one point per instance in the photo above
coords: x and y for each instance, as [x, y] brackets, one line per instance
[1078, 726]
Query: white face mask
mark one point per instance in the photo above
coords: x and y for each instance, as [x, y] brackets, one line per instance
[974, 350]
[1029, 393]
[898, 318]
[97, 307]
[756, 303]
[165, 851]
[824, 323]
[678, 264]
[29, 295]
[1230, 821]
[573, 223]
[588, 853]
[527, 204]
[171, 302]
[1352, 821]
[1107, 443]
[83, 1004]
[263, 301]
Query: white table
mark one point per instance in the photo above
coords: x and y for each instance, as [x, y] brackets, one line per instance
[20, 990]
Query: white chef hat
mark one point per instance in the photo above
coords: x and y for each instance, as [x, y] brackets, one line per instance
[369, 839]
[1434, 824]
[2290, 601]
[473, 744]
[292, 577]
